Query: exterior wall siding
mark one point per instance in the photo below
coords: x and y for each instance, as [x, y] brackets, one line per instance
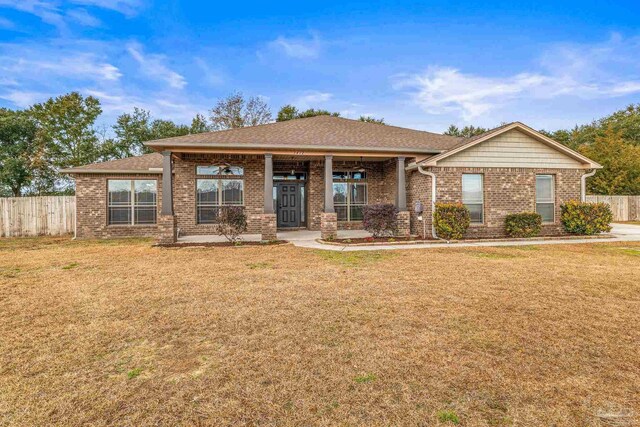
[510, 149]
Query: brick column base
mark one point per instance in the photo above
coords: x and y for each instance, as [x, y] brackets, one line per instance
[167, 230]
[328, 226]
[404, 224]
[269, 227]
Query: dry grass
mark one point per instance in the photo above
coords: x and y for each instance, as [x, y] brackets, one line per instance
[121, 333]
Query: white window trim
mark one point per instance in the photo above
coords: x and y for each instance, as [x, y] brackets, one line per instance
[553, 196]
[348, 204]
[476, 223]
[132, 204]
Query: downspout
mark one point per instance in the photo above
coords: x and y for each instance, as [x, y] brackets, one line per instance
[433, 199]
[583, 185]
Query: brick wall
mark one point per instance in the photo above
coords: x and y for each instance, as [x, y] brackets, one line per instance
[506, 190]
[91, 208]
[184, 191]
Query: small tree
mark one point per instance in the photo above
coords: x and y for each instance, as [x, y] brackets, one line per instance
[235, 112]
[232, 222]
[380, 219]
[451, 220]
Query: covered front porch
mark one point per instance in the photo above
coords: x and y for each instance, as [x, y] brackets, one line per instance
[282, 192]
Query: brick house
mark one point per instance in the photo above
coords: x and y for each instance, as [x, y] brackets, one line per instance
[317, 173]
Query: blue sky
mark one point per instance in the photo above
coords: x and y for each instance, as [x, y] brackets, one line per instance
[424, 65]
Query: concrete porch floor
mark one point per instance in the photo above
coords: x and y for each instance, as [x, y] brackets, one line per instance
[291, 236]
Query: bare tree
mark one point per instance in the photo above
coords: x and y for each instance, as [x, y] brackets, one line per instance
[235, 111]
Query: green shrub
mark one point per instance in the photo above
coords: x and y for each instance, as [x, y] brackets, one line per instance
[380, 219]
[524, 224]
[586, 218]
[451, 220]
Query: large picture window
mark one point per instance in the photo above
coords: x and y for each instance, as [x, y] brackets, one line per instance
[473, 196]
[132, 202]
[545, 198]
[213, 194]
[349, 195]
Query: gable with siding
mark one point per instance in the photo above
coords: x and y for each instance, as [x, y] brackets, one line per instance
[511, 149]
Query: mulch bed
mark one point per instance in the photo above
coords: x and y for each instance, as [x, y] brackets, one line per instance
[381, 241]
[221, 244]
[390, 240]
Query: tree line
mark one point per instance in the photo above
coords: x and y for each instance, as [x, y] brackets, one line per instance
[37, 142]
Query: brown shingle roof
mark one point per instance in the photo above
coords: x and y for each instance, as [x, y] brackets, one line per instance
[137, 164]
[320, 132]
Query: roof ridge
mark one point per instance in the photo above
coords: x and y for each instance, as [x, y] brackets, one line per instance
[318, 117]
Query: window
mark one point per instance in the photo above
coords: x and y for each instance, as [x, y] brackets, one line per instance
[212, 194]
[349, 195]
[132, 202]
[545, 199]
[472, 196]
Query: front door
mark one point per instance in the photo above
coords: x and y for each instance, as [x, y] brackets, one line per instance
[288, 204]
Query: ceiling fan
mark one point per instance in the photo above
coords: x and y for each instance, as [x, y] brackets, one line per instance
[361, 167]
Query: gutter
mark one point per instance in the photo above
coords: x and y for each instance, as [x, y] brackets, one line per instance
[152, 171]
[583, 185]
[433, 199]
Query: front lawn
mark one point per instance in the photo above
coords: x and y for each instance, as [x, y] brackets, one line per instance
[122, 333]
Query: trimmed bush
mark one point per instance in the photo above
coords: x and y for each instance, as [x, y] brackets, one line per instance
[524, 224]
[586, 218]
[232, 222]
[451, 220]
[380, 219]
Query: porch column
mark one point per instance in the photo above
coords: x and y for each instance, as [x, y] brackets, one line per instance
[328, 218]
[167, 190]
[404, 217]
[401, 196]
[328, 184]
[167, 225]
[269, 220]
[268, 183]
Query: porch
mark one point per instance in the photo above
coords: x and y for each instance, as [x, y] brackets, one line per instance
[280, 193]
[288, 235]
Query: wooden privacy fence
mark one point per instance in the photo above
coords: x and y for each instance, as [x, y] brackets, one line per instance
[36, 216]
[624, 208]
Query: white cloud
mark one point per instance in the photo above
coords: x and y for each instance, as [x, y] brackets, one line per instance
[57, 12]
[23, 98]
[32, 64]
[47, 11]
[299, 48]
[115, 102]
[311, 99]
[153, 66]
[605, 70]
[82, 17]
[126, 7]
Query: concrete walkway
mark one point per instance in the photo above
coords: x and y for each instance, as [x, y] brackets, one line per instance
[307, 239]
